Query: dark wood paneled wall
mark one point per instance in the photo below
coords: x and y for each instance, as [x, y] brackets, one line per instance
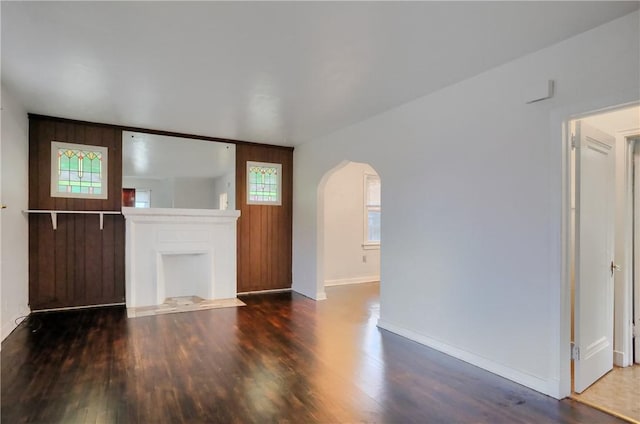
[77, 264]
[264, 232]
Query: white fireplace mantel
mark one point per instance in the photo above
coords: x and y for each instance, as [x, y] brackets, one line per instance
[155, 237]
[171, 214]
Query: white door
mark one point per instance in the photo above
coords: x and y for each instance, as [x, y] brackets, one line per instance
[2, 206]
[595, 201]
[636, 245]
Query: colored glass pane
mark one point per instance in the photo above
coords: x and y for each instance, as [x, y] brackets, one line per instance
[263, 184]
[79, 171]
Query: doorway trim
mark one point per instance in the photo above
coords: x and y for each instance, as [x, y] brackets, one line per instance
[561, 131]
[635, 187]
[624, 358]
[320, 230]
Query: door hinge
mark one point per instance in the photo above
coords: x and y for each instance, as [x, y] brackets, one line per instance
[575, 352]
[633, 330]
[573, 141]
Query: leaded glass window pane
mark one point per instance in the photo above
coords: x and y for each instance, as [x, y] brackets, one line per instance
[78, 170]
[264, 183]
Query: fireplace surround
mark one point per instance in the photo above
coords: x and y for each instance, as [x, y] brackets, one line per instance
[179, 252]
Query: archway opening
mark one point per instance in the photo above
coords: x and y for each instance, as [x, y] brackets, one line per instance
[349, 226]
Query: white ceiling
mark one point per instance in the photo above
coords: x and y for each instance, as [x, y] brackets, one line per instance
[272, 72]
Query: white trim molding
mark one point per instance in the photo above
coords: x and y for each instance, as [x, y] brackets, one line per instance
[352, 280]
[371, 246]
[547, 386]
[623, 282]
[619, 358]
[206, 237]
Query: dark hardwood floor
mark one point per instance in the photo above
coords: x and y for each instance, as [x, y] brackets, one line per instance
[281, 359]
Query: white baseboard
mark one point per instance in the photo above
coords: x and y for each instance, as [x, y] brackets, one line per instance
[320, 295]
[73, 308]
[548, 387]
[618, 359]
[352, 280]
[11, 325]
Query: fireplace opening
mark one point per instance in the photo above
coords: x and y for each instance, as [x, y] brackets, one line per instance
[185, 274]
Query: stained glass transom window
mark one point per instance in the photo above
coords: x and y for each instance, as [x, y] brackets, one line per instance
[78, 170]
[264, 183]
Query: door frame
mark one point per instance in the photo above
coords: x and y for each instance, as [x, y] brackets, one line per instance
[634, 183]
[560, 120]
[624, 277]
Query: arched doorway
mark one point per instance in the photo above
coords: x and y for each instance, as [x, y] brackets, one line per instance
[349, 216]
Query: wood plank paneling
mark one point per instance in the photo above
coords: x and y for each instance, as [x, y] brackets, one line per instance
[264, 232]
[77, 264]
[118, 259]
[78, 268]
[107, 260]
[92, 262]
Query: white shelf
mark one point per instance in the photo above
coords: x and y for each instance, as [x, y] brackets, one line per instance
[54, 215]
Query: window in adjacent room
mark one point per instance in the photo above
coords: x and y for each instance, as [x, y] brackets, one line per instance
[78, 170]
[371, 211]
[264, 183]
[143, 198]
[224, 201]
